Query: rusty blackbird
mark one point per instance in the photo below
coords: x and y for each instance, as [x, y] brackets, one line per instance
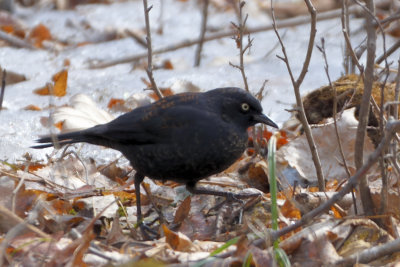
[183, 138]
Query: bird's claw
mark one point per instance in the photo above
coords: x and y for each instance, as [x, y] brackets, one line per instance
[147, 232]
[232, 197]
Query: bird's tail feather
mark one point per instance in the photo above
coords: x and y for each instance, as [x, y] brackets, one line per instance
[61, 139]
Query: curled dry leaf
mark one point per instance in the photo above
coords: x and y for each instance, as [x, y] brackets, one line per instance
[183, 211]
[178, 241]
[297, 152]
[60, 85]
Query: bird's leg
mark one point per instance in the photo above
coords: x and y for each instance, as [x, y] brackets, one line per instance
[143, 227]
[191, 187]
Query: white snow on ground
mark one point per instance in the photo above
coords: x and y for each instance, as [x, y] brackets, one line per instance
[181, 21]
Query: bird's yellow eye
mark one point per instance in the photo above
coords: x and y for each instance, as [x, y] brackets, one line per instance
[245, 107]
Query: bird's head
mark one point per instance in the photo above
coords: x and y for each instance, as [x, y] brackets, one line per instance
[240, 107]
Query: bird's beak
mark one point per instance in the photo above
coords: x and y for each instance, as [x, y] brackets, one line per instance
[264, 119]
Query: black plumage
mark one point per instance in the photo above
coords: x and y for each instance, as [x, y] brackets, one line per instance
[183, 138]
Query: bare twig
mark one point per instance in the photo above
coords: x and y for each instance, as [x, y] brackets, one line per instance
[14, 219]
[202, 33]
[282, 24]
[390, 51]
[382, 163]
[371, 254]
[136, 37]
[3, 88]
[385, 183]
[391, 128]
[365, 193]
[239, 41]
[395, 113]
[348, 66]
[160, 29]
[349, 49]
[149, 69]
[260, 94]
[393, 17]
[15, 41]
[296, 87]
[323, 51]
[372, 21]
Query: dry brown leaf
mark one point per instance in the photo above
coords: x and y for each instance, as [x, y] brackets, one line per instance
[15, 30]
[315, 252]
[337, 214]
[257, 177]
[164, 91]
[60, 85]
[60, 206]
[39, 34]
[32, 108]
[59, 125]
[66, 62]
[124, 196]
[115, 235]
[297, 152]
[115, 101]
[182, 211]
[197, 225]
[25, 200]
[113, 171]
[167, 64]
[262, 257]
[177, 241]
[290, 211]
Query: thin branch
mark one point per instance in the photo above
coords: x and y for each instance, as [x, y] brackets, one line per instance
[371, 254]
[365, 193]
[384, 176]
[3, 88]
[296, 87]
[139, 39]
[390, 51]
[397, 92]
[395, 115]
[160, 29]
[149, 69]
[313, 31]
[287, 23]
[202, 32]
[335, 99]
[15, 41]
[326, 67]
[239, 41]
[349, 49]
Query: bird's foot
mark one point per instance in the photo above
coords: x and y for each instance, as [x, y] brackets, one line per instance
[232, 197]
[240, 196]
[147, 232]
